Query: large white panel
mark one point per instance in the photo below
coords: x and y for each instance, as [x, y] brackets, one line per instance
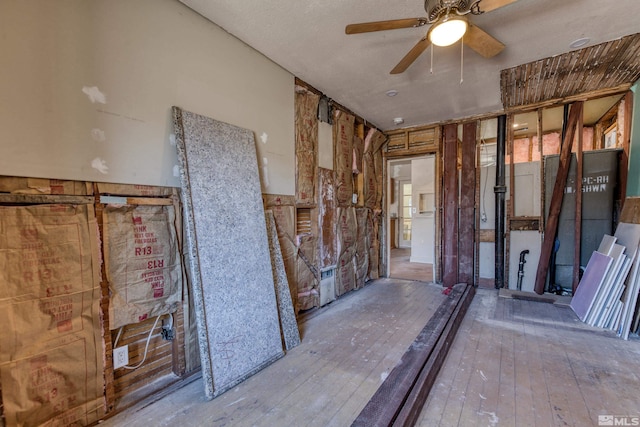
[87, 89]
[487, 256]
[423, 234]
[527, 188]
[487, 203]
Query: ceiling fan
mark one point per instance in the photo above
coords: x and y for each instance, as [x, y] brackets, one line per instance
[448, 24]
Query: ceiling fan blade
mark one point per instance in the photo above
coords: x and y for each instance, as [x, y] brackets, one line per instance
[489, 5]
[393, 24]
[483, 43]
[410, 57]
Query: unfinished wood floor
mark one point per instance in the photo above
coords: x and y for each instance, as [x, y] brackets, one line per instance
[402, 268]
[348, 348]
[524, 363]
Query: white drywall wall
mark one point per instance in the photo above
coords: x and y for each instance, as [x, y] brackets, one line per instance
[87, 89]
[423, 172]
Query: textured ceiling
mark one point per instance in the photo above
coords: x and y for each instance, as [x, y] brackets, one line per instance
[307, 38]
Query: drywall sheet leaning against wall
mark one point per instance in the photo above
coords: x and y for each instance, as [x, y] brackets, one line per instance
[142, 263]
[287, 315]
[233, 289]
[284, 212]
[51, 357]
[306, 145]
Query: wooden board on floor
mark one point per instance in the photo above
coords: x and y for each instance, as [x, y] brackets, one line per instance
[450, 205]
[551, 369]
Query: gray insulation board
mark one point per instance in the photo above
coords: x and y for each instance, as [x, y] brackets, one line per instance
[288, 323]
[228, 250]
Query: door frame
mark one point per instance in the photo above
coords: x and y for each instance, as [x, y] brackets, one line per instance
[437, 244]
[401, 218]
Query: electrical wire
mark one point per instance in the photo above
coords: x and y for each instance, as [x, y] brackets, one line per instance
[483, 212]
[146, 347]
[431, 67]
[461, 60]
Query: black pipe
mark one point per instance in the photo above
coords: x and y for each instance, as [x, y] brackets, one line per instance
[500, 189]
[521, 268]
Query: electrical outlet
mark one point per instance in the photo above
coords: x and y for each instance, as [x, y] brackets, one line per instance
[120, 356]
[168, 333]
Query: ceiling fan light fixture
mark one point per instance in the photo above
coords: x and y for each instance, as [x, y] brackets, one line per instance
[448, 30]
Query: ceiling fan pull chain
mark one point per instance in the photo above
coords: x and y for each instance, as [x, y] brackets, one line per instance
[431, 69]
[461, 61]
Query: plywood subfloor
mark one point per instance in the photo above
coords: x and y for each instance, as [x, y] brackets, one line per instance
[348, 348]
[526, 363]
[402, 268]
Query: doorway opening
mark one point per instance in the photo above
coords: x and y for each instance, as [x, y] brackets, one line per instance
[411, 218]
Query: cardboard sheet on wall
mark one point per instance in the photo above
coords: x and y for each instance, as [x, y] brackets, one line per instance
[286, 312]
[20, 185]
[373, 231]
[327, 211]
[347, 235]
[373, 173]
[306, 273]
[306, 128]
[358, 152]
[370, 181]
[284, 211]
[378, 164]
[362, 247]
[343, 156]
[142, 262]
[51, 358]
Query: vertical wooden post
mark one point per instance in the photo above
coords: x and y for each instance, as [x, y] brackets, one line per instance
[626, 145]
[359, 178]
[578, 217]
[541, 149]
[556, 198]
[466, 236]
[450, 199]
[109, 390]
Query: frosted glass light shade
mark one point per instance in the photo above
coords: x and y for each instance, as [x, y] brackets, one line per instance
[448, 31]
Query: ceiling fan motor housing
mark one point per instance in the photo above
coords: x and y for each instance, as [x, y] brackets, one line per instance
[437, 8]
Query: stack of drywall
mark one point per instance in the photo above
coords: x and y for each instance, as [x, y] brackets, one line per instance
[608, 291]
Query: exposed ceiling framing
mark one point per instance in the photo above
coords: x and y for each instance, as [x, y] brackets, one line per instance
[610, 65]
